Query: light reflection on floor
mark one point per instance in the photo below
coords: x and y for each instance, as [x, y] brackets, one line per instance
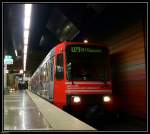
[20, 113]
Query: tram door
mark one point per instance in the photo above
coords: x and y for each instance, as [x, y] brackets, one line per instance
[51, 93]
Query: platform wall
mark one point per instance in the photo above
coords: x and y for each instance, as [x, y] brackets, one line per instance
[128, 51]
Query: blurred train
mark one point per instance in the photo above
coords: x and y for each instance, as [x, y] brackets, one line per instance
[75, 76]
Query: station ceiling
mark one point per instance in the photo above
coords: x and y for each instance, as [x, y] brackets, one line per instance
[52, 23]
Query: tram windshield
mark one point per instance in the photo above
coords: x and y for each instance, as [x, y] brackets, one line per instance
[89, 63]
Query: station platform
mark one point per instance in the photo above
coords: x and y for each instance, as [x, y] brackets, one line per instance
[24, 110]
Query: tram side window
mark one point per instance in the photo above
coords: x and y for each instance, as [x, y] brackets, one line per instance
[51, 71]
[48, 71]
[59, 67]
[47, 78]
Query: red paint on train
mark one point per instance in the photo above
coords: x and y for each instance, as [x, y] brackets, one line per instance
[71, 90]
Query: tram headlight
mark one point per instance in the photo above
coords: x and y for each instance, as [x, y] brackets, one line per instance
[76, 99]
[106, 98]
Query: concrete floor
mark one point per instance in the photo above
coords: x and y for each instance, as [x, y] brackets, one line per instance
[20, 113]
[24, 110]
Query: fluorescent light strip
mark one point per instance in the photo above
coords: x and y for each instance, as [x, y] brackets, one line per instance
[16, 52]
[26, 22]
[26, 31]
[24, 67]
[25, 57]
[25, 41]
[28, 10]
[25, 49]
[26, 34]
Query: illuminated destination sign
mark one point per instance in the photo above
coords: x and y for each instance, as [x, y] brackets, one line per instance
[85, 49]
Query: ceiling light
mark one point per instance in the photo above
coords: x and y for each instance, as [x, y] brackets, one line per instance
[28, 10]
[26, 22]
[16, 52]
[25, 41]
[24, 68]
[26, 33]
[25, 57]
[25, 49]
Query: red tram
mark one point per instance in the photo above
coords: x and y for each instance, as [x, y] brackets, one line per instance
[75, 75]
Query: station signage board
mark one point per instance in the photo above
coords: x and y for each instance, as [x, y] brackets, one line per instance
[8, 59]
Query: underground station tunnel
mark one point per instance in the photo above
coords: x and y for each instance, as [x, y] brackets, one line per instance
[75, 66]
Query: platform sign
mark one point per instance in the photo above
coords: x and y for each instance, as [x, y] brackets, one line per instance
[8, 61]
[8, 57]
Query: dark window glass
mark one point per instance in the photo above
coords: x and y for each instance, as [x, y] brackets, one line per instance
[51, 70]
[59, 67]
[87, 63]
[48, 71]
